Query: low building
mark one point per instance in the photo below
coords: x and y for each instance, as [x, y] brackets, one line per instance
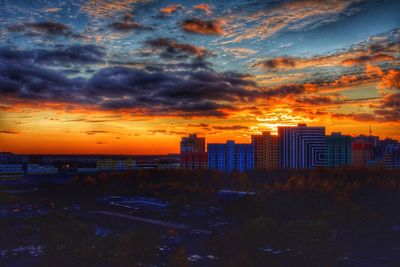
[11, 170]
[115, 165]
[36, 169]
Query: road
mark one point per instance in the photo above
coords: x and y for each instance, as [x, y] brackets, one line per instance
[141, 219]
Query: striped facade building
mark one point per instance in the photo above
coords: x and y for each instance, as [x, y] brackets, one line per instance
[302, 147]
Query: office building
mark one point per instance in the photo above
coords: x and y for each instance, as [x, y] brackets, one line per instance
[266, 151]
[302, 147]
[338, 150]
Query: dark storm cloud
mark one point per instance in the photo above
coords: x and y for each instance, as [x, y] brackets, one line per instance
[127, 24]
[285, 90]
[52, 28]
[387, 111]
[316, 100]
[23, 77]
[28, 81]
[171, 49]
[277, 63]
[367, 59]
[209, 27]
[76, 54]
[153, 91]
[9, 132]
[185, 92]
[231, 127]
[45, 27]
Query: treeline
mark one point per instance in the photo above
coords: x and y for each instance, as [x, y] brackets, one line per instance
[378, 188]
[305, 217]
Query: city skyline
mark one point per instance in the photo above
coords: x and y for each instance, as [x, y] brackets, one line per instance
[133, 76]
[240, 140]
[295, 147]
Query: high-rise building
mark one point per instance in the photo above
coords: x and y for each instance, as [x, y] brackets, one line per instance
[392, 156]
[302, 147]
[385, 144]
[361, 153]
[266, 151]
[338, 150]
[230, 156]
[193, 152]
[377, 154]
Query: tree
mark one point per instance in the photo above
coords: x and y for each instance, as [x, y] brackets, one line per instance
[178, 259]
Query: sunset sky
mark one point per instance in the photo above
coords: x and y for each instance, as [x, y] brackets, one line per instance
[133, 77]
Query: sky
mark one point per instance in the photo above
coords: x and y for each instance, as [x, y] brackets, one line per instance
[134, 76]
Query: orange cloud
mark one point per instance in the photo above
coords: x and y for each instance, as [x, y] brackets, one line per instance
[52, 9]
[210, 27]
[170, 9]
[206, 8]
[346, 79]
[391, 79]
[373, 71]
[107, 8]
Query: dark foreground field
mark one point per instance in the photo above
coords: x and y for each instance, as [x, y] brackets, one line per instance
[342, 217]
